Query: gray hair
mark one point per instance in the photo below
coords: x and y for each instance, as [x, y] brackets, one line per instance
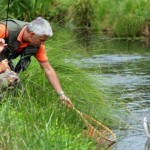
[40, 27]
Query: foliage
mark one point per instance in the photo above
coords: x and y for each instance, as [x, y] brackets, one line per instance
[116, 18]
[125, 18]
[84, 13]
[30, 9]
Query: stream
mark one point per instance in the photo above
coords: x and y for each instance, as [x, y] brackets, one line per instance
[124, 65]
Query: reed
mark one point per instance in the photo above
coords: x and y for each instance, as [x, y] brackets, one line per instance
[30, 9]
[124, 18]
[117, 18]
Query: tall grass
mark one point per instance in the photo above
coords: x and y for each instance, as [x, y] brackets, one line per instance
[121, 18]
[125, 18]
[30, 9]
[35, 118]
[83, 15]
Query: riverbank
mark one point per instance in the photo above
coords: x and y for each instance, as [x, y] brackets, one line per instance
[35, 118]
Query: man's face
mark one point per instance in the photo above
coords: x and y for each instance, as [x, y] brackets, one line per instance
[37, 40]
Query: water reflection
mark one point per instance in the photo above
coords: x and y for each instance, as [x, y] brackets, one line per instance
[147, 144]
[146, 42]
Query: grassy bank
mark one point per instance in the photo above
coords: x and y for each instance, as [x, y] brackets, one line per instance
[35, 118]
[124, 18]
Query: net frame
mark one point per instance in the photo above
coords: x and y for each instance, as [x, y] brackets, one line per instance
[96, 130]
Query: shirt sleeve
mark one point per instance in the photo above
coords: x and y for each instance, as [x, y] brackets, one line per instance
[41, 54]
[2, 31]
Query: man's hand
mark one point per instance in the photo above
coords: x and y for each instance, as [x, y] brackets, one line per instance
[65, 99]
[4, 65]
[2, 44]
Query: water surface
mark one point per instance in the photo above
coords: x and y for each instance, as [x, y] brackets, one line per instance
[124, 65]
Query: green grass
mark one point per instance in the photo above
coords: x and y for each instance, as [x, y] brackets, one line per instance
[124, 18]
[35, 118]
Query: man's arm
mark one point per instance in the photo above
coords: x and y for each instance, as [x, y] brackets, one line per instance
[4, 65]
[54, 81]
[2, 44]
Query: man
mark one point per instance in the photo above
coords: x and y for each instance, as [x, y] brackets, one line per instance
[27, 39]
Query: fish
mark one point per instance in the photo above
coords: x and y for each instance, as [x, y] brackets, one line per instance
[146, 124]
[8, 79]
[147, 144]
